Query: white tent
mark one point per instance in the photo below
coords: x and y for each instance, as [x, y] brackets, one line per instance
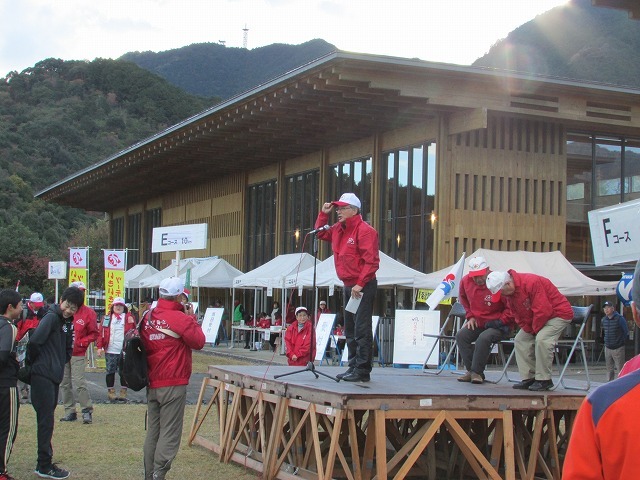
[390, 273]
[136, 273]
[273, 273]
[154, 280]
[553, 265]
[214, 273]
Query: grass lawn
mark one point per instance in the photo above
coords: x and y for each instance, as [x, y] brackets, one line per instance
[111, 447]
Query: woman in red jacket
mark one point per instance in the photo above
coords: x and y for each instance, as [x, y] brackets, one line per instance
[298, 339]
[110, 341]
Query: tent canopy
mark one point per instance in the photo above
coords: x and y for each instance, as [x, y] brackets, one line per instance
[136, 273]
[273, 273]
[214, 273]
[391, 272]
[553, 265]
[154, 280]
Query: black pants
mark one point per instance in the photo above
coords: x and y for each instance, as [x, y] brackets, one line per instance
[44, 398]
[475, 357]
[357, 328]
[9, 406]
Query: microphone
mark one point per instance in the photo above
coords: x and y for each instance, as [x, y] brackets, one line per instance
[321, 229]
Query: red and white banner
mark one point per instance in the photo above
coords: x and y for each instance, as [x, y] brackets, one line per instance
[78, 257]
[115, 262]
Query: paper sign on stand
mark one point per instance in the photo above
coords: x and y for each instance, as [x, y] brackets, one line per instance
[409, 344]
[211, 323]
[323, 333]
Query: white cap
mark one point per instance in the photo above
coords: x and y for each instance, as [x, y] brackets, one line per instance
[348, 199]
[171, 287]
[301, 309]
[118, 301]
[79, 285]
[496, 280]
[477, 266]
[37, 299]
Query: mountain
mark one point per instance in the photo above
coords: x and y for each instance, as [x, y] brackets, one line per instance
[575, 41]
[55, 119]
[210, 69]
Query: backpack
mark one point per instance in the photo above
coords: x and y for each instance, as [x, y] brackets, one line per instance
[133, 358]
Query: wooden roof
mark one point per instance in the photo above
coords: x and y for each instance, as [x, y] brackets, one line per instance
[336, 99]
[631, 6]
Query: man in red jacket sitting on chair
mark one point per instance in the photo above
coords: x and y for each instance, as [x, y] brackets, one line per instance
[298, 339]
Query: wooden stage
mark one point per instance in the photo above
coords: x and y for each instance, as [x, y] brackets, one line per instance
[402, 424]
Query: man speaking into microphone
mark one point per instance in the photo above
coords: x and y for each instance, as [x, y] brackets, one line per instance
[355, 253]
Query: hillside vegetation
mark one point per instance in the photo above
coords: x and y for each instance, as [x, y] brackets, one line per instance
[55, 119]
[210, 69]
[577, 41]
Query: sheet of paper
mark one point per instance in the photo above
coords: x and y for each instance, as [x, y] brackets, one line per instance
[353, 304]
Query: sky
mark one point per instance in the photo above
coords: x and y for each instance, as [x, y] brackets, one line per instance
[451, 31]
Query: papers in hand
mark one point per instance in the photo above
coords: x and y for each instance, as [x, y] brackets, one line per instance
[353, 304]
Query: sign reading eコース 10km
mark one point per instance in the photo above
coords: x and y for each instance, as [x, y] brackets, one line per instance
[179, 237]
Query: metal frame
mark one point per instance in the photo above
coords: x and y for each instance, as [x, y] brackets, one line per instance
[457, 313]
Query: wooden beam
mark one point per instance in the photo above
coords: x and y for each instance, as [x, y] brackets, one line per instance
[467, 120]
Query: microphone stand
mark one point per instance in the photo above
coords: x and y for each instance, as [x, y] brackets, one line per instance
[310, 366]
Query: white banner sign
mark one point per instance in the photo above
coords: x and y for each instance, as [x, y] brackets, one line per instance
[211, 323]
[615, 233]
[57, 270]
[180, 237]
[409, 344]
[78, 257]
[114, 260]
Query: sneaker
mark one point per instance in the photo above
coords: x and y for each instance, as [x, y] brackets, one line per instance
[465, 378]
[349, 371]
[52, 472]
[69, 417]
[86, 418]
[476, 378]
[541, 385]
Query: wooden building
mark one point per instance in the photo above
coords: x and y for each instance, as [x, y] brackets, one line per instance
[445, 159]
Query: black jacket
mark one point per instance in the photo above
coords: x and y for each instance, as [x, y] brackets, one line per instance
[51, 345]
[8, 362]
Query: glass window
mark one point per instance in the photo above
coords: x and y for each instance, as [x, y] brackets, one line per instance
[260, 228]
[408, 195]
[301, 208]
[601, 171]
[352, 176]
[134, 226]
[153, 219]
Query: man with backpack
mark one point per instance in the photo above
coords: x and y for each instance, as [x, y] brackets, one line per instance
[168, 335]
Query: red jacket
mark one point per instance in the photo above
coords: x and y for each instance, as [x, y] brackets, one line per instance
[476, 300]
[85, 330]
[536, 301]
[169, 358]
[298, 343]
[355, 249]
[104, 333]
[25, 324]
[603, 441]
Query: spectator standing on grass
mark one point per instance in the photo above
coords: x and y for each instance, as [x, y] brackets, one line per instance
[26, 324]
[10, 311]
[110, 341]
[168, 335]
[50, 348]
[74, 384]
[616, 332]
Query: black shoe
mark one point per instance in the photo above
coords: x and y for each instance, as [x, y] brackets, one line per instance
[541, 385]
[69, 417]
[524, 384]
[52, 472]
[246, 346]
[349, 371]
[87, 418]
[356, 377]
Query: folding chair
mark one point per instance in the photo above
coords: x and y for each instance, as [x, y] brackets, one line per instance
[580, 317]
[457, 317]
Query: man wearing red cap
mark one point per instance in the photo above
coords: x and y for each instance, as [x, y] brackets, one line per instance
[74, 383]
[487, 321]
[356, 255]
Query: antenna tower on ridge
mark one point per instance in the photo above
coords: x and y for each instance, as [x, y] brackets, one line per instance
[245, 34]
